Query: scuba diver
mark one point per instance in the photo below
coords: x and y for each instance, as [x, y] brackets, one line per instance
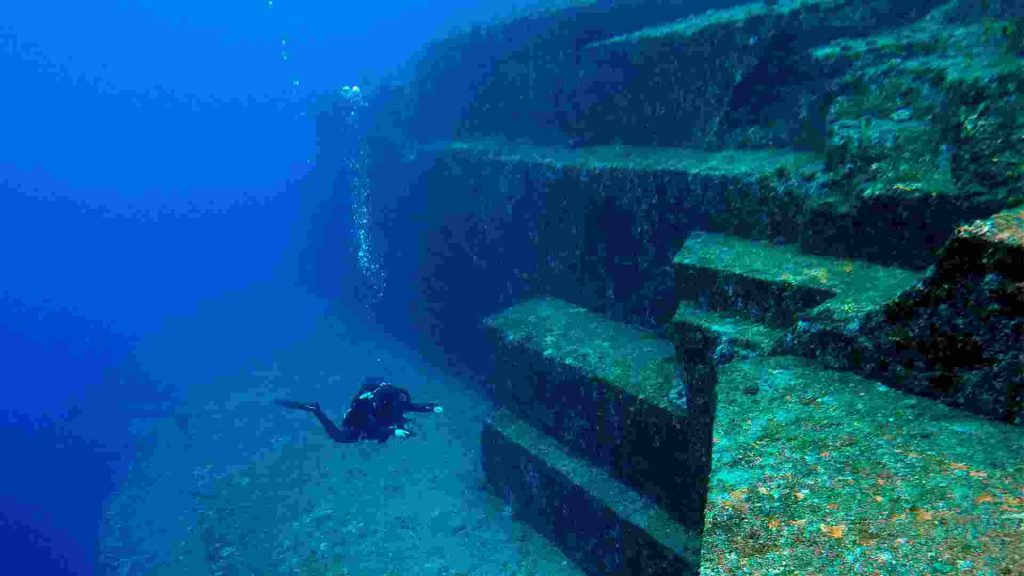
[377, 412]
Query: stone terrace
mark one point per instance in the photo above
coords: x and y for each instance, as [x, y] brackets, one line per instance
[754, 182]
[820, 472]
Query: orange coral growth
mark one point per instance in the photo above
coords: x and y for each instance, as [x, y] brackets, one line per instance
[736, 501]
[836, 531]
[1005, 227]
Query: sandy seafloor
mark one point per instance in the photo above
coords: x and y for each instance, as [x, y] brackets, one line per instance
[233, 484]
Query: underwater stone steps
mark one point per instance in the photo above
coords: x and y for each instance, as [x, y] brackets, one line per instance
[779, 286]
[956, 336]
[926, 37]
[779, 17]
[765, 193]
[694, 81]
[765, 283]
[776, 284]
[738, 163]
[936, 42]
[474, 80]
[600, 523]
[823, 472]
[736, 336]
[950, 334]
[611, 394]
[920, 136]
[754, 17]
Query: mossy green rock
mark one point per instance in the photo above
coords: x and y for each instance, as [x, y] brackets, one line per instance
[821, 472]
[605, 527]
[612, 394]
[957, 335]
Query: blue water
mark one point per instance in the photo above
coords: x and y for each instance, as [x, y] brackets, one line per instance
[151, 164]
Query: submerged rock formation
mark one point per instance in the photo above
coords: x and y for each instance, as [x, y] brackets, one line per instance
[808, 208]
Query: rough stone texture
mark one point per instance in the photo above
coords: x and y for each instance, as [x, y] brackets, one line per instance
[314, 510]
[819, 472]
[749, 279]
[516, 78]
[737, 336]
[752, 193]
[957, 337]
[602, 525]
[972, 10]
[734, 77]
[778, 285]
[924, 133]
[988, 141]
[596, 226]
[611, 394]
[914, 131]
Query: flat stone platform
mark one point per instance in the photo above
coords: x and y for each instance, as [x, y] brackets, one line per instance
[821, 472]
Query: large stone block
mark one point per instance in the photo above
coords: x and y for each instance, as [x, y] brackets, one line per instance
[775, 284]
[957, 336]
[731, 77]
[605, 527]
[924, 134]
[516, 77]
[734, 336]
[824, 472]
[595, 225]
[612, 394]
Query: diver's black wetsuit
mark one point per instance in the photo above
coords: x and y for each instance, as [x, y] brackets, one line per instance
[377, 412]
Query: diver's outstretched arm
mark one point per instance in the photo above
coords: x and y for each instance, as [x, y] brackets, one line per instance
[425, 407]
[305, 406]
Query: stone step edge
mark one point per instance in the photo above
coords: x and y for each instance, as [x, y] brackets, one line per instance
[658, 371]
[623, 501]
[745, 333]
[690, 26]
[811, 281]
[814, 276]
[740, 163]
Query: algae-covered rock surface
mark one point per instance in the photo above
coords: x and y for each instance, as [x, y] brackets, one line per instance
[924, 133]
[603, 525]
[821, 472]
[958, 336]
[825, 174]
[611, 394]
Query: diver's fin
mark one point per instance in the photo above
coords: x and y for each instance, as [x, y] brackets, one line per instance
[307, 406]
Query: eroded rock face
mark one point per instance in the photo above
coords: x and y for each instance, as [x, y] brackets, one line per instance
[924, 134]
[988, 138]
[921, 127]
[958, 335]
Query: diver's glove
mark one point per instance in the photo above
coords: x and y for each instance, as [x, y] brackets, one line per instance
[305, 406]
[399, 433]
[438, 409]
